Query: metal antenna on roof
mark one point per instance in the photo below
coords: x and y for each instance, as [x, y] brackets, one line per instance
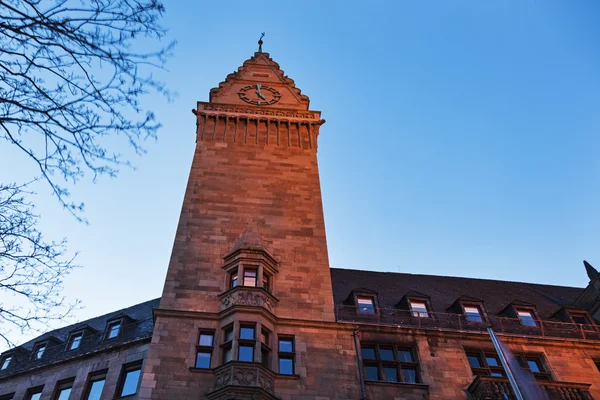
[260, 42]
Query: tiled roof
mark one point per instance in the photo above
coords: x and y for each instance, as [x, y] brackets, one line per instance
[137, 325]
[445, 290]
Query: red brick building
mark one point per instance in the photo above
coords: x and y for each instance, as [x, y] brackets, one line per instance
[251, 309]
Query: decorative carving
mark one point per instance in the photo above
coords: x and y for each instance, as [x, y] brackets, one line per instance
[223, 378]
[272, 112]
[244, 374]
[252, 298]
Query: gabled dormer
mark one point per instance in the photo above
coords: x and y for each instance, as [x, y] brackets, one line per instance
[79, 336]
[363, 301]
[118, 326]
[471, 307]
[525, 312]
[419, 304]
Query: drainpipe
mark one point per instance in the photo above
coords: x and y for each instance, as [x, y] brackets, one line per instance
[361, 374]
[505, 364]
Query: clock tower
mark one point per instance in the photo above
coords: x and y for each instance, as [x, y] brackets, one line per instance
[249, 264]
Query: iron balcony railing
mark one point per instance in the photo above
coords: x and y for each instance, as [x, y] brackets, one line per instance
[492, 388]
[447, 321]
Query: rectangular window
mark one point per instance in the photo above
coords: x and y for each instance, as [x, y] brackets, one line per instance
[74, 341]
[419, 309]
[63, 390]
[266, 281]
[226, 346]
[473, 314]
[5, 362]
[34, 393]
[247, 342]
[94, 386]
[233, 279]
[536, 365]
[390, 363]
[365, 304]
[130, 377]
[265, 347]
[485, 363]
[250, 276]
[204, 349]
[526, 317]
[113, 329]
[287, 355]
[38, 351]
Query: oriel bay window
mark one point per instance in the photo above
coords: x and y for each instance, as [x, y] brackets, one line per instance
[249, 275]
[390, 363]
[204, 349]
[247, 343]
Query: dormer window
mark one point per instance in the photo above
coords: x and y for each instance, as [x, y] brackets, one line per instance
[419, 308]
[74, 341]
[5, 362]
[113, 329]
[526, 316]
[38, 351]
[473, 313]
[580, 317]
[365, 304]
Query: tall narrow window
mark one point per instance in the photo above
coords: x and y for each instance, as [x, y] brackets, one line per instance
[74, 341]
[419, 309]
[287, 355]
[94, 386]
[527, 318]
[233, 279]
[204, 349]
[63, 390]
[247, 343]
[38, 351]
[113, 329]
[226, 347]
[365, 304]
[473, 314]
[265, 347]
[266, 281]
[130, 377]
[5, 362]
[250, 276]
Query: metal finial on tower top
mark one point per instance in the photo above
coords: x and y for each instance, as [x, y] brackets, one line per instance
[260, 42]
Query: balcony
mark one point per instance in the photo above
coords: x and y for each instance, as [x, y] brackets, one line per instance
[491, 388]
[458, 322]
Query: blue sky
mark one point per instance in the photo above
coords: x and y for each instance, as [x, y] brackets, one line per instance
[461, 139]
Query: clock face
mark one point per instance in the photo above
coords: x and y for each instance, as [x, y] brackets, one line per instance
[259, 95]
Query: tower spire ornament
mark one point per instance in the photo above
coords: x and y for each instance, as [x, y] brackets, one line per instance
[260, 42]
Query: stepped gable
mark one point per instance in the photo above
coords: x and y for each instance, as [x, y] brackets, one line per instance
[445, 290]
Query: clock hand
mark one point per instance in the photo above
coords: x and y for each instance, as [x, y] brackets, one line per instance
[258, 92]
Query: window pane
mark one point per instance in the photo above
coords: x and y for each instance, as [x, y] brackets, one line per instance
[206, 339]
[40, 351]
[527, 318]
[247, 332]
[131, 382]
[405, 355]
[473, 314]
[534, 366]
[391, 374]
[96, 390]
[286, 345]
[6, 362]
[386, 354]
[371, 373]
[75, 342]
[266, 282]
[264, 337]
[203, 359]
[365, 305]
[113, 330]
[419, 309]
[227, 355]
[228, 335]
[246, 353]
[234, 279]
[497, 374]
[249, 277]
[492, 361]
[474, 361]
[410, 375]
[64, 394]
[286, 366]
[580, 319]
[36, 396]
[368, 353]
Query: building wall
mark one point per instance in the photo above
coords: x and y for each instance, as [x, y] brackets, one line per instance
[80, 370]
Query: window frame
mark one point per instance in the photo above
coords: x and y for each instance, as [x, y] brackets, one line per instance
[366, 297]
[419, 314]
[93, 377]
[8, 396]
[110, 323]
[532, 312]
[200, 348]
[126, 369]
[227, 345]
[251, 268]
[70, 341]
[33, 391]
[480, 310]
[62, 385]
[486, 369]
[581, 314]
[396, 363]
[36, 350]
[545, 374]
[245, 342]
[265, 346]
[286, 355]
[233, 278]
